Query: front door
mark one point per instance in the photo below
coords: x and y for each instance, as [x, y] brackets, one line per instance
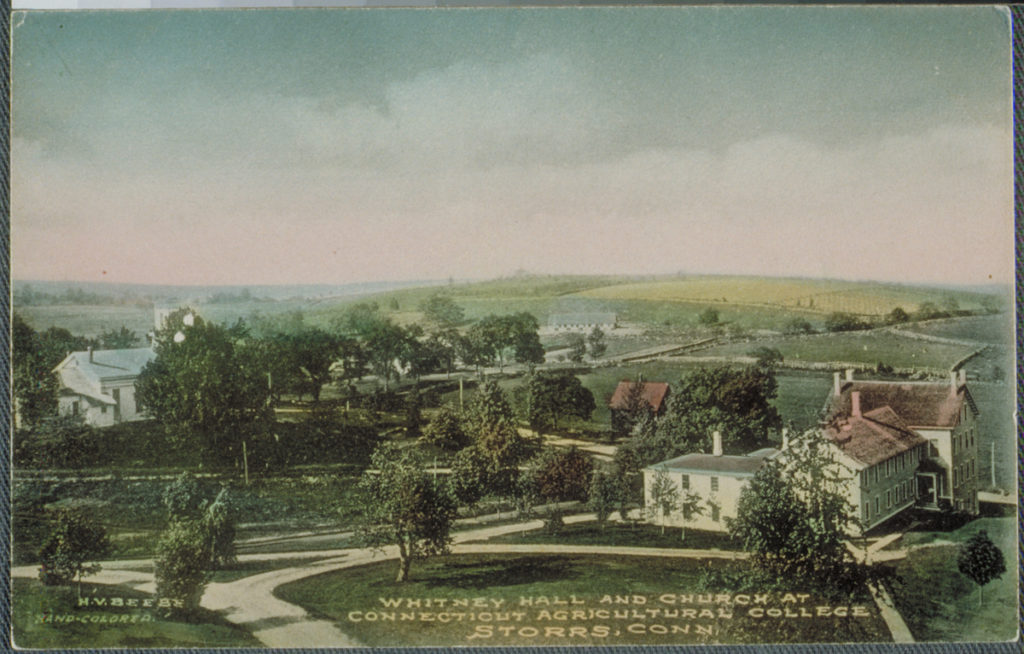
[926, 489]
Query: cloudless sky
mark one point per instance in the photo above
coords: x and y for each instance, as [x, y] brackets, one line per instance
[301, 146]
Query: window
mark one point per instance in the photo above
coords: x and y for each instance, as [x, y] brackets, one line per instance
[864, 477]
[867, 510]
[715, 512]
[875, 468]
[888, 499]
[972, 469]
[685, 482]
[877, 508]
[954, 444]
[888, 468]
[714, 484]
[955, 483]
[74, 408]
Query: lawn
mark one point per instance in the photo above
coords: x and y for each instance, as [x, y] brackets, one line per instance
[94, 627]
[624, 535]
[520, 599]
[939, 603]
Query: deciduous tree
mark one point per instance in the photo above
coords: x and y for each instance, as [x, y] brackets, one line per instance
[596, 343]
[405, 507]
[664, 497]
[794, 517]
[72, 549]
[205, 385]
[577, 348]
[981, 560]
[552, 396]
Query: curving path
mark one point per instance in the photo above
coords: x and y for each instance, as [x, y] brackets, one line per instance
[250, 601]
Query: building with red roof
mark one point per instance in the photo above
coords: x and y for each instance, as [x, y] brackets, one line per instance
[629, 397]
[907, 443]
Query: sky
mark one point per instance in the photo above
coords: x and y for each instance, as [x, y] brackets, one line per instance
[348, 145]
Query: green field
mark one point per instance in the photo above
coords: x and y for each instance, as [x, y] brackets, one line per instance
[868, 348]
[812, 295]
[93, 627]
[995, 329]
[941, 604]
[596, 582]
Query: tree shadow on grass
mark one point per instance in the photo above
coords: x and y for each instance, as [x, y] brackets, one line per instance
[504, 572]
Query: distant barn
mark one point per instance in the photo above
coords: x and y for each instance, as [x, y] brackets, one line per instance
[582, 321]
[630, 396]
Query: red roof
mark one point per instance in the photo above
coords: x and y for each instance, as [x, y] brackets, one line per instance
[873, 437]
[918, 404]
[653, 392]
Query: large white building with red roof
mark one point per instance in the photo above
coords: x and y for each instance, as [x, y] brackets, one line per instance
[907, 442]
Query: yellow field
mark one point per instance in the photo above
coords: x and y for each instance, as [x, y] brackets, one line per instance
[817, 296]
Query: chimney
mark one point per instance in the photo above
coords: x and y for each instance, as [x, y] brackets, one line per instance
[837, 386]
[855, 404]
[90, 353]
[952, 381]
[963, 376]
[716, 443]
[849, 374]
[785, 438]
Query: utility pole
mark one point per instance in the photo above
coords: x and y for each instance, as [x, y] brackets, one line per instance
[992, 462]
[245, 462]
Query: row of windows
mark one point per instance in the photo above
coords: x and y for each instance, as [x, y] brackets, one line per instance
[963, 439]
[686, 483]
[900, 492]
[894, 465]
[965, 470]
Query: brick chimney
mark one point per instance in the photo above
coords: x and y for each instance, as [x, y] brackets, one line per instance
[849, 374]
[837, 386]
[963, 376]
[716, 443]
[855, 404]
[953, 386]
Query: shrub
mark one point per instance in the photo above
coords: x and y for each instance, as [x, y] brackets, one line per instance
[74, 541]
[182, 557]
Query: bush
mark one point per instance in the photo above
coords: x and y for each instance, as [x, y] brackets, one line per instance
[844, 322]
[74, 541]
[220, 527]
[182, 557]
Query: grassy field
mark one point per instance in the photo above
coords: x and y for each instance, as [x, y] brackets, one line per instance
[31, 602]
[818, 296]
[867, 347]
[996, 329]
[941, 604]
[501, 583]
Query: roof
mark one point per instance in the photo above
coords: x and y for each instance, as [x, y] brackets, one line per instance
[559, 319]
[653, 392]
[83, 374]
[919, 404]
[72, 379]
[873, 437]
[726, 464]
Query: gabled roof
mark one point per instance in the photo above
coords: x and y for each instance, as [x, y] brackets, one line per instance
[726, 464]
[654, 393]
[109, 364]
[918, 404]
[83, 373]
[872, 437]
